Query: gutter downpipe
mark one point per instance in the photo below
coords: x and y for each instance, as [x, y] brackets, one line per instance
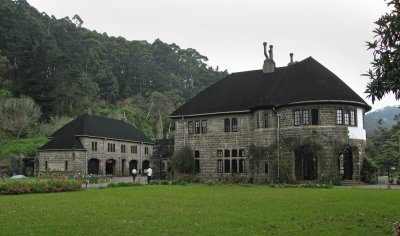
[277, 137]
[183, 130]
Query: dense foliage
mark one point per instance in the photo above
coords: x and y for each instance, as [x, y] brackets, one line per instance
[182, 162]
[39, 186]
[385, 72]
[67, 69]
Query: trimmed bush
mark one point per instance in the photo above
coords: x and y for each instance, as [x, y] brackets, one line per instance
[40, 186]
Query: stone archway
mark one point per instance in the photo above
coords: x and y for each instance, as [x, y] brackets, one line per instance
[93, 166]
[110, 167]
[306, 165]
[133, 164]
[348, 164]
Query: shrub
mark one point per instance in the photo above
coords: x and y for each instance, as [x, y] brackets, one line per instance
[37, 186]
[123, 184]
[369, 171]
[183, 161]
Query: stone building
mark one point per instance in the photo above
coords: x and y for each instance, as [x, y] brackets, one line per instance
[95, 145]
[294, 123]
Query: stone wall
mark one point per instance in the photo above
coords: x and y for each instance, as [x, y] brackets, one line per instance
[327, 134]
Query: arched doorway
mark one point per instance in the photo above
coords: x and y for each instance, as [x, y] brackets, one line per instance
[306, 165]
[145, 165]
[348, 165]
[132, 165]
[110, 167]
[93, 167]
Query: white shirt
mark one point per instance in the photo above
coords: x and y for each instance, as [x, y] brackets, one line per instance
[134, 171]
[149, 171]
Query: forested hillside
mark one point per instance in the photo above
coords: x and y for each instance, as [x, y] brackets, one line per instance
[67, 69]
[382, 118]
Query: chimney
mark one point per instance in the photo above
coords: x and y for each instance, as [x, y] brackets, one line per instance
[269, 64]
[291, 60]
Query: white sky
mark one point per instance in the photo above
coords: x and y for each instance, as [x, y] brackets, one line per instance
[231, 32]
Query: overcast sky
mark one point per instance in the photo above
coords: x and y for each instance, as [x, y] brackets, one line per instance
[231, 32]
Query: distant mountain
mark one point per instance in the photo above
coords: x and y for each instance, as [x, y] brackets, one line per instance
[384, 117]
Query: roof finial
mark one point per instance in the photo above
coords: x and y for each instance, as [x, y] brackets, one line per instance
[265, 50]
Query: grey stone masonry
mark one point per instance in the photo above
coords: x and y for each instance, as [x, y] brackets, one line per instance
[314, 141]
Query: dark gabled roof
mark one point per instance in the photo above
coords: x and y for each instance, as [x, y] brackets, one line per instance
[96, 126]
[303, 82]
[63, 143]
[93, 126]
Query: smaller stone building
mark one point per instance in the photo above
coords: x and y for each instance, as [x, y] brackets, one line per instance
[95, 145]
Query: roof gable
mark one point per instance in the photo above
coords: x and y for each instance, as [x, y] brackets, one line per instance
[89, 125]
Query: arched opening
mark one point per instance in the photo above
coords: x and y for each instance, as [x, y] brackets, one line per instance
[110, 167]
[145, 165]
[306, 165]
[133, 165]
[93, 167]
[348, 165]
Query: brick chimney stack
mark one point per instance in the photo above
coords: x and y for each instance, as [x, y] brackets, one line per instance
[269, 64]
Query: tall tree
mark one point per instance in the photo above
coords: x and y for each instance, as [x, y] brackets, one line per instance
[385, 71]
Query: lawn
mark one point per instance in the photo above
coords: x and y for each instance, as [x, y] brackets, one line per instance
[202, 210]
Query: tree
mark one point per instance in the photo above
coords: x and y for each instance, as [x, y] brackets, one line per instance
[183, 161]
[385, 72]
[17, 114]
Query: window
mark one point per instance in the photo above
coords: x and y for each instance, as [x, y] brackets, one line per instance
[353, 119]
[190, 127]
[227, 153]
[123, 148]
[234, 153]
[111, 147]
[133, 149]
[346, 118]
[219, 166]
[94, 146]
[46, 165]
[234, 166]
[197, 127]
[66, 165]
[339, 117]
[227, 166]
[204, 126]
[266, 168]
[306, 117]
[196, 166]
[241, 152]
[314, 117]
[241, 166]
[296, 117]
[146, 150]
[219, 153]
[227, 125]
[234, 125]
[265, 120]
[196, 154]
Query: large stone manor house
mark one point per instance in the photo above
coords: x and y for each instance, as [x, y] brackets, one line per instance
[307, 120]
[95, 145]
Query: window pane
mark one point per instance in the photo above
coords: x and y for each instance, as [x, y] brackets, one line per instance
[197, 127]
[227, 153]
[306, 119]
[234, 125]
[190, 127]
[314, 117]
[296, 117]
[227, 166]
[227, 124]
[339, 117]
[196, 154]
[241, 152]
[234, 153]
[346, 118]
[219, 166]
[241, 166]
[353, 121]
[265, 120]
[204, 126]
[234, 166]
[219, 153]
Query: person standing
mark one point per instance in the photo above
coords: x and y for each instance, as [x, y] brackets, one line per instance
[149, 173]
[134, 173]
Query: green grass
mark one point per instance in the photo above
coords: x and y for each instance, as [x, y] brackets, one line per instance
[202, 210]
